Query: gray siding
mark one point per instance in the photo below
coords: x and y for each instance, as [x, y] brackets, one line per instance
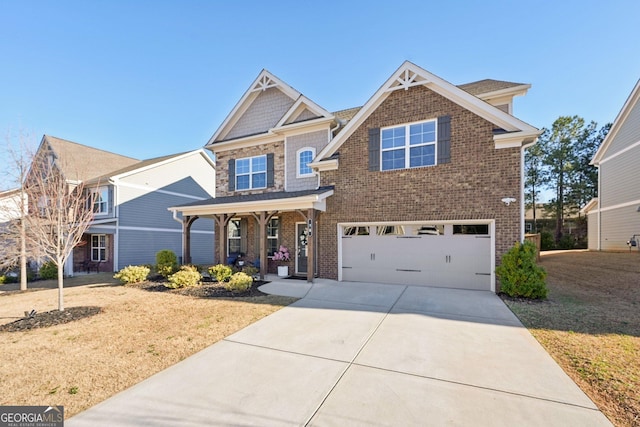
[305, 115]
[316, 140]
[619, 178]
[265, 111]
[618, 225]
[629, 132]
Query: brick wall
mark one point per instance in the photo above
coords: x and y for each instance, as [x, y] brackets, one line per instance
[470, 187]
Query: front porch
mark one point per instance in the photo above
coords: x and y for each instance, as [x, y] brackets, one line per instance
[256, 225]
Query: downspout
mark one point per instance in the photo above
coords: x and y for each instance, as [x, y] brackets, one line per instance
[599, 246]
[175, 218]
[116, 234]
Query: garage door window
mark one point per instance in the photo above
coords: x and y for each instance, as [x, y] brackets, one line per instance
[390, 230]
[481, 229]
[355, 231]
[429, 230]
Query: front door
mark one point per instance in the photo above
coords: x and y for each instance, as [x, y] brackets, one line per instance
[301, 248]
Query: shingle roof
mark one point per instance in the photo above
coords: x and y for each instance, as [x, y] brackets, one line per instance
[486, 86]
[80, 162]
[139, 164]
[273, 195]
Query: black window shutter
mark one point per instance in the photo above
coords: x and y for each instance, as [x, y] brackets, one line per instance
[270, 173]
[444, 139]
[232, 175]
[374, 149]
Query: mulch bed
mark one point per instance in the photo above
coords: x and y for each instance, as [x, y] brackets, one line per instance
[50, 318]
[205, 290]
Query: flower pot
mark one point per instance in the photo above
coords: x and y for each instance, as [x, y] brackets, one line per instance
[283, 270]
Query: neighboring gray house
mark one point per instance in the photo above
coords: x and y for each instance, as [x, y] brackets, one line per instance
[130, 199]
[614, 217]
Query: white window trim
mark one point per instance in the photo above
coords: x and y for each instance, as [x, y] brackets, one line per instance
[313, 155]
[99, 248]
[97, 192]
[238, 238]
[250, 173]
[277, 238]
[407, 146]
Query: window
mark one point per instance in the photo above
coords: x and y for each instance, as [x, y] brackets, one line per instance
[234, 235]
[100, 200]
[408, 146]
[482, 229]
[251, 173]
[355, 231]
[305, 156]
[273, 228]
[98, 247]
[390, 230]
[429, 230]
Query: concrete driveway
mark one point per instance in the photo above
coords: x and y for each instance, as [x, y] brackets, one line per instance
[350, 354]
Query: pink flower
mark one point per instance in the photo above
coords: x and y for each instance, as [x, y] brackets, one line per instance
[282, 254]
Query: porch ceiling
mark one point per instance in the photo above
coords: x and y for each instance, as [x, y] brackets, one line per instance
[262, 202]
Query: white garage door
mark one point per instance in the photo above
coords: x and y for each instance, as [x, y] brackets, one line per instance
[430, 254]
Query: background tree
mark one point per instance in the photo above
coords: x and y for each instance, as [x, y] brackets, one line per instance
[59, 213]
[565, 151]
[534, 180]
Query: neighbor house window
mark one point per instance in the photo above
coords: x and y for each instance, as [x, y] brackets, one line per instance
[251, 173]
[234, 236]
[305, 156]
[273, 232]
[98, 247]
[408, 146]
[100, 200]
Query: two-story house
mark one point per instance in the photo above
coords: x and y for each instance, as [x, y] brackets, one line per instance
[421, 185]
[129, 198]
[614, 216]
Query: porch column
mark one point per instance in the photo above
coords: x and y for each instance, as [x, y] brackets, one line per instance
[187, 222]
[263, 220]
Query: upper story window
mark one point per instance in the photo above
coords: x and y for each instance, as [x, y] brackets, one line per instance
[408, 146]
[251, 173]
[304, 157]
[100, 200]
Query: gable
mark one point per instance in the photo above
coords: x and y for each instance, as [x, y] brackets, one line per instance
[263, 114]
[625, 131]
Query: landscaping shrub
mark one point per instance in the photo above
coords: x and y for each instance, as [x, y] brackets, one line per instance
[49, 270]
[239, 282]
[250, 270]
[133, 274]
[547, 241]
[221, 272]
[186, 276]
[166, 262]
[567, 242]
[519, 274]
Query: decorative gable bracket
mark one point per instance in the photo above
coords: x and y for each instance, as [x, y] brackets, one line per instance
[407, 79]
[263, 83]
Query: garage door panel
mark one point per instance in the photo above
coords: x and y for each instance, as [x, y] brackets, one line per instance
[459, 261]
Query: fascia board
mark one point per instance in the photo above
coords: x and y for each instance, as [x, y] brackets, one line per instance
[249, 141]
[515, 139]
[589, 206]
[162, 163]
[324, 165]
[303, 127]
[313, 201]
[309, 104]
[511, 92]
[631, 101]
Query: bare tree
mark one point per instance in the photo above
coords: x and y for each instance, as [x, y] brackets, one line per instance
[59, 212]
[14, 205]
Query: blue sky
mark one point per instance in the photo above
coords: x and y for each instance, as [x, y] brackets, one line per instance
[150, 78]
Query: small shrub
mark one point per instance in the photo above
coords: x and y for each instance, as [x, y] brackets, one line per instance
[547, 242]
[185, 277]
[49, 270]
[221, 272]
[239, 282]
[166, 262]
[567, 242]
[250, 270]
[519, 274]
[133, 274]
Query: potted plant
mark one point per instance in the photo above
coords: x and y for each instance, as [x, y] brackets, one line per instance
[282, 254]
